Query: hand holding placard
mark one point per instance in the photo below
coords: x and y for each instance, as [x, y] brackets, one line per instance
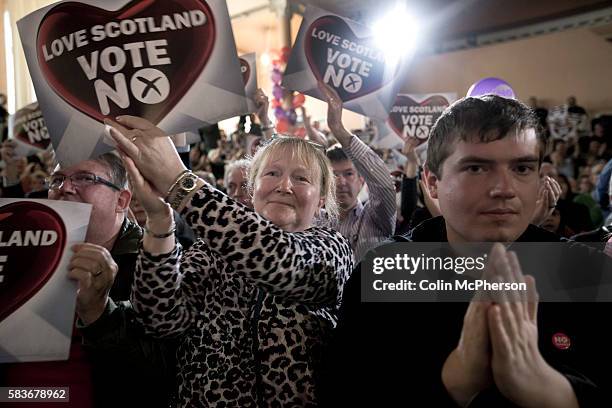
[36, 299]
[93, 267]
[172, 62]
[262, 103]
[334, 114]
[151, 150]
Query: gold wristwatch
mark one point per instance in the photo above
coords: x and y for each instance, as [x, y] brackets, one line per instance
[183, 186]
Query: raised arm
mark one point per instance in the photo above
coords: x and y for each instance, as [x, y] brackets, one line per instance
[310, 266]
[371, 167]
[262, 103]
[313, 134]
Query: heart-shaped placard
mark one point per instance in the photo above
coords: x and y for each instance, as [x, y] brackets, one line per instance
[30, 128]
[245, 70]
[354, 66]
[401, 110]
[32, 240]
[148, 94]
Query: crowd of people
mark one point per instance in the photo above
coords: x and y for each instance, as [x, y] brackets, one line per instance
[231, 275]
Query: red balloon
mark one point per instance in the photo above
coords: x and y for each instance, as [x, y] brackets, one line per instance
[298, 100]
[282, 125]
[300, 132]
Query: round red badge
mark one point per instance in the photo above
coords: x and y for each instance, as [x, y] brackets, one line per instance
[561, 341]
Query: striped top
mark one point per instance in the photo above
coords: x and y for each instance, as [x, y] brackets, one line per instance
[372, 222]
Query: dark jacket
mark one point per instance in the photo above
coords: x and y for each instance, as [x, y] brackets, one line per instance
[392, 354]
[130, 368]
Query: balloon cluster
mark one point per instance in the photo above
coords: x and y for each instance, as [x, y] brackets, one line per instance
[286, 117]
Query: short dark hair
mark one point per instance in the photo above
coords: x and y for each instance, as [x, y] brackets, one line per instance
[114, 163]
[336, 154]
[480, 119]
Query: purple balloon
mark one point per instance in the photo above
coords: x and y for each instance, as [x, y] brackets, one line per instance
[292, 116]
[494, 86]
[279, 113]
[276, 76]
[277, 91]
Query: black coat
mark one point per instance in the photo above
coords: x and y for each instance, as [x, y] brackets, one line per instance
[130, 368]
[391, 354]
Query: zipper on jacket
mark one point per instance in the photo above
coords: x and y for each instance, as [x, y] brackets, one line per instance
[259, 296]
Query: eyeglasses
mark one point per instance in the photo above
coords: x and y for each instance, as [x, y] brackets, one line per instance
[316, 145]
[78, 180]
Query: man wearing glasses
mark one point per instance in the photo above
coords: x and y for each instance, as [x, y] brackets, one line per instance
[122, 366]
[88, 182]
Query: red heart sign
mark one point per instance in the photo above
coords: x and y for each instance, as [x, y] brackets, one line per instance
[245, 69]
[29, 127]
[32, 240]
[352, 66]
[139, 60]
[418, 117]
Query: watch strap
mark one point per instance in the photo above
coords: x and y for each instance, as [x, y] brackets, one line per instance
[178, 194]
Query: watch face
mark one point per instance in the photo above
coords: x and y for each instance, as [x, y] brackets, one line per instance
[188, 183]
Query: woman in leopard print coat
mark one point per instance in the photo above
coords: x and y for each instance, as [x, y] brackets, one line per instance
[255, 298]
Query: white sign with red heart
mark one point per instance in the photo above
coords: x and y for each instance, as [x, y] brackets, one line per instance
[172, 62]
[28, 129]
[37, 300]
[343, 54]
[411, 116]
[248, 68]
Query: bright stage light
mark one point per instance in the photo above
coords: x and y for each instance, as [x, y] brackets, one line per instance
[265, 59]
[396, 33]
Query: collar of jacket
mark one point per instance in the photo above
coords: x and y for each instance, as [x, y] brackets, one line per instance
[128, 240]
[434, 230]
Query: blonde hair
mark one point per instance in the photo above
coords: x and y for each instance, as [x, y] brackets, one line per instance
[313, 156]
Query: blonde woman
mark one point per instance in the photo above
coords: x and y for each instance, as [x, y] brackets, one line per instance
[255, 298]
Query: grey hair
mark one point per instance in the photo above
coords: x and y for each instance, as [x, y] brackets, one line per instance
[114, 163]
[242, 164]
[115, 166]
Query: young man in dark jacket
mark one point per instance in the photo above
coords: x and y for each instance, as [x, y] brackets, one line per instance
[482, 166]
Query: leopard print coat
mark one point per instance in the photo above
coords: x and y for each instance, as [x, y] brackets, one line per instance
[253, 305]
